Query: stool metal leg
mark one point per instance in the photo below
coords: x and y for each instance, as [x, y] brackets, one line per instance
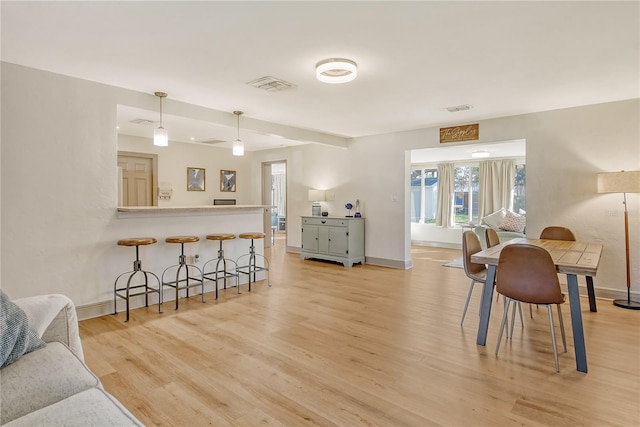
[182, 262]
[223, 274]
[252, 267]
[137, 268]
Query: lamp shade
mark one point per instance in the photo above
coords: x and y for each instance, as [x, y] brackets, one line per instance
[160, 137]
[619, 182]
[316, 195]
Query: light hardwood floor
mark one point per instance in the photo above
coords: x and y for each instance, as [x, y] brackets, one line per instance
[371, 346]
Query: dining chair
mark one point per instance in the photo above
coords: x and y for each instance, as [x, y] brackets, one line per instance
[556, 232]
[491, 237]
[527, 273]
[474, 271]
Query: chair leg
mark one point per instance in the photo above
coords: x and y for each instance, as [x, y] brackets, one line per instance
[564, 338]
[531, 311]
[466, 304]
[553, 337]
[502, 324]
[513, 320]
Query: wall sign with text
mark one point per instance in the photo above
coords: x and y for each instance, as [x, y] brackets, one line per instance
[460, 133]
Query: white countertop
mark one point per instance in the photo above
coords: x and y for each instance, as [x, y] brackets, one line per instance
[135, 211]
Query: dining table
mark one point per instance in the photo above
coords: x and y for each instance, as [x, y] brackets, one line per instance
[572, 258]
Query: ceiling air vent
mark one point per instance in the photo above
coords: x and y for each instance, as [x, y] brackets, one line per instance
[457, 108]
[210, 141]
[142, 122]
[271, 84]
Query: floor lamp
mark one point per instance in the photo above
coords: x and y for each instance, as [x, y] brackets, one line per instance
[622, 182]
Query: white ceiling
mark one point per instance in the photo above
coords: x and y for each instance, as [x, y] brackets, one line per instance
[414, 58]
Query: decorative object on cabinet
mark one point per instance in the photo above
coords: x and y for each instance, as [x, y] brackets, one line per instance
[333, 239]
[316, 196]
[195, 179]
[357, 214]
[227, 181]
[622, 182]
[348, 207]
[160, 135]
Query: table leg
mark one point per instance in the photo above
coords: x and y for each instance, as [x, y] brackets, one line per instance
[485, 308]
[576, 323]
[592, 294]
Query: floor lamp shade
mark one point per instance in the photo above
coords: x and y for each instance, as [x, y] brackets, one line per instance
[622, 182]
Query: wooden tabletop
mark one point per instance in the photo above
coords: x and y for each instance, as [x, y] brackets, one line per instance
[570, 257]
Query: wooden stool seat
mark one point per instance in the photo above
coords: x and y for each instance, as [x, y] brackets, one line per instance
[137, 241]
[221, 236]
[129, 289]
[182, 239]
[252, 235]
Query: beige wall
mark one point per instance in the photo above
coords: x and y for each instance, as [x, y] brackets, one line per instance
[59, 191]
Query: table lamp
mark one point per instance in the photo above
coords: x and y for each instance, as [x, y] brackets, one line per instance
[622, 182]
[316, 196]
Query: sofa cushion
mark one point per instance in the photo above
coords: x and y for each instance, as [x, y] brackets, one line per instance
[93, 407]
[16, 336]
[41, 378]
[493, 220]
[513, 222]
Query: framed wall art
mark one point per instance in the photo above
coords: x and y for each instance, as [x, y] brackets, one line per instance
[227, 180]
[195, 179]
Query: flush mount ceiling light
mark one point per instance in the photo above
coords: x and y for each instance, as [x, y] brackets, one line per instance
[480, 154]
[160, 135]
[336, 70]
[238, 145]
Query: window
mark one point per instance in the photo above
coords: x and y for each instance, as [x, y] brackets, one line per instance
[519, 186]
[466, 194]
[424, 192]
[424, 195]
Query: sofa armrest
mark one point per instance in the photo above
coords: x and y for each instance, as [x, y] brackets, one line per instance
[54, 318]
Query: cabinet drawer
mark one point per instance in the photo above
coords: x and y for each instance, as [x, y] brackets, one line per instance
[330, 222]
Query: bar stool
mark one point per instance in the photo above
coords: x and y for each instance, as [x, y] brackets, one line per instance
[182, 263]
[250, 258]
[125, 291]
[214, 275]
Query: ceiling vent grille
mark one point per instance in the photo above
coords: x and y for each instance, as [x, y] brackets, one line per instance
[457, 108]
[210, 141]
[271, 84]
[142, 122]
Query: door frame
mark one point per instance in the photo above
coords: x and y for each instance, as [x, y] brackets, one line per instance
[266, 189]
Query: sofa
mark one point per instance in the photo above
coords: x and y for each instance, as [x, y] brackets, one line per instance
[50, 385]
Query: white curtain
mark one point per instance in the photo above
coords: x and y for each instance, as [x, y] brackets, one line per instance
[496, 186]
[279, 193]
[446, 187]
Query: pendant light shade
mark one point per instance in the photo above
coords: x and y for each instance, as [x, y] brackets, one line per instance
[160, 135]
[238, 145]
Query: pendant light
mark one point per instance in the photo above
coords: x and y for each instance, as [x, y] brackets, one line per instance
[160, 135]
[238, 145]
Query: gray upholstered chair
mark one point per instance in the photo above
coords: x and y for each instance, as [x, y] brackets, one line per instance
[526, 273]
